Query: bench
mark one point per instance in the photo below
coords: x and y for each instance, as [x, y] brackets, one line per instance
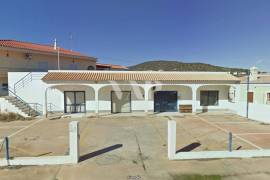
[185, 108]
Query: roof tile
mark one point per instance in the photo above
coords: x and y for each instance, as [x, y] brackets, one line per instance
[38, 47]
[137, 76]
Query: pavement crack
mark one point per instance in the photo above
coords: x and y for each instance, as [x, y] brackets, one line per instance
[140, 152]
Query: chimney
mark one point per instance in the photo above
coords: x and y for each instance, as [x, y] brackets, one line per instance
[55, 44]
[254, 72]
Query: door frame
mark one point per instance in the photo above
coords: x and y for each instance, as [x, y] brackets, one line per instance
[166, 91]
[74, 93]
[130, 109]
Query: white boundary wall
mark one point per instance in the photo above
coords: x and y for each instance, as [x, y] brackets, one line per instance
[172, 155]
[72, 158]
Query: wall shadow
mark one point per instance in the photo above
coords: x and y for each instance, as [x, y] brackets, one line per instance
[189, 147]
[99, 152]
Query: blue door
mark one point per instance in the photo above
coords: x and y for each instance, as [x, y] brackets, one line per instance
[165, 101]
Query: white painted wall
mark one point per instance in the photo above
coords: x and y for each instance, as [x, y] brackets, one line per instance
[34, 91]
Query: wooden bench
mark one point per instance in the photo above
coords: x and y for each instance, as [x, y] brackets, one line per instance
[185, 108]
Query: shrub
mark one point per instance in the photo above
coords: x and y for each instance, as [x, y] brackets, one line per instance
[10, 116]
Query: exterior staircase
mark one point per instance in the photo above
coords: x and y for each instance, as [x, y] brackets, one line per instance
[13, 101]
[23, 106]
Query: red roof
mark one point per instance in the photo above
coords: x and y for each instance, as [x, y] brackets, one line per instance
[39, 47]
[112, 66]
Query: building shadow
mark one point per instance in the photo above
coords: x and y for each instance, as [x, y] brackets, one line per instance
[189, 147]
[99, 152]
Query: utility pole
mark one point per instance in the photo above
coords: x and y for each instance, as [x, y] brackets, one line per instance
[70, 39]
[58, 57]
[58, 53]
[248, 81]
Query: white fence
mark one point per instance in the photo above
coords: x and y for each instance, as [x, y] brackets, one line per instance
[72, 158]
[172, 155]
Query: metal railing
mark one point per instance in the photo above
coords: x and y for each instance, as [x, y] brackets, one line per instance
[53, 108]
[36, 107]
[29, 77]
[28, 105]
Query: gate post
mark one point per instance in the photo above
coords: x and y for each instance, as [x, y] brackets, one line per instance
[74, 136]
[171, 139]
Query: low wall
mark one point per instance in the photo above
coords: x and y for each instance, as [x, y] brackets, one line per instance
[258, 112]
[72, 158]
[172, 155]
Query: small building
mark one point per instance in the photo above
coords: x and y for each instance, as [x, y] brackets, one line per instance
[18, 56]
[255, 95]
[129, 91]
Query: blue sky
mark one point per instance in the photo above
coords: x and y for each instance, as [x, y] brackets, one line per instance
[220, 32]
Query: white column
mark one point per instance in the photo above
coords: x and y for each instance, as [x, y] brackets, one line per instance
[146, 98]
[237, 93]
[45, 103]
[194, 98]
[171, 139]
[74, 152]
[96, 101]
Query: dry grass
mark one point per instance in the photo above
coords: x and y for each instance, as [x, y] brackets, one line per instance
[10, 116]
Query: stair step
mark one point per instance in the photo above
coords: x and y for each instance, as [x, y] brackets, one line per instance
[22, 106]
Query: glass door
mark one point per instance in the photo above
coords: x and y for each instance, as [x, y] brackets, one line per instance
[74, 102]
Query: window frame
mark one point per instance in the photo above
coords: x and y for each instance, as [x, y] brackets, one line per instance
[250, 97]
[231, 96]
[208, 96]
[268, 98]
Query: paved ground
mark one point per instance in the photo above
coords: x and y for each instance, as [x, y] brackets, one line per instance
[136, 147]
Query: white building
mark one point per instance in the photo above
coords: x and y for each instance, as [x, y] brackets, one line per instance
[138, 91]
[127, 91]
[254, 101]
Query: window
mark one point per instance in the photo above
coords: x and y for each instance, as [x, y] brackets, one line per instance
[268, 98]
[5, 85]
[209, 98]
[250, 97]
[231, 97]
[90, 68]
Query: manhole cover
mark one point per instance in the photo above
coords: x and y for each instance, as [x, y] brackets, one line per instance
[108, 159]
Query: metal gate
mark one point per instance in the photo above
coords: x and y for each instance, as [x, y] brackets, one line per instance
[165, 101]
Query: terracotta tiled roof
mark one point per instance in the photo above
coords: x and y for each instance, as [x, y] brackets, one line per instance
[137, 76]
[113, 66]
[39, 48]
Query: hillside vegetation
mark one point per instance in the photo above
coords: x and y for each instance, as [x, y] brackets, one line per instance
[161, 65]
